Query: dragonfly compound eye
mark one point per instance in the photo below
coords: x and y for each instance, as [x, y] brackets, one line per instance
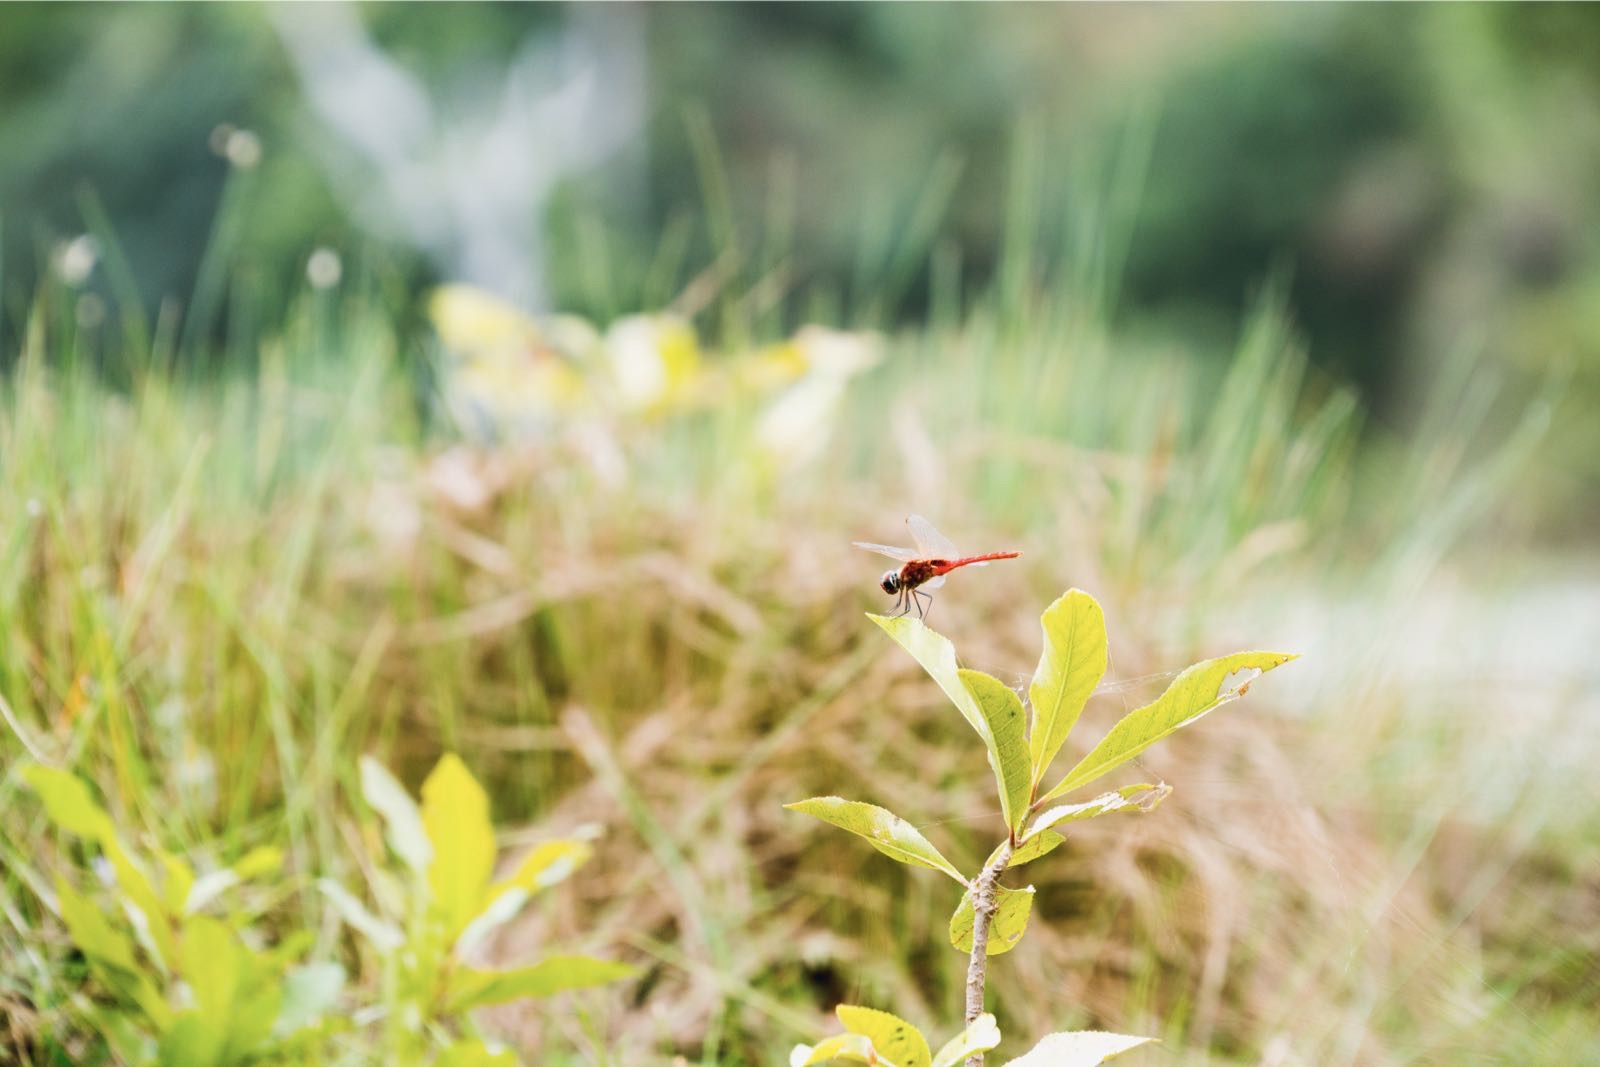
[890, 581]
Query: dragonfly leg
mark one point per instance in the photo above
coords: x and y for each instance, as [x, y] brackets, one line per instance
[925, 606]
[901, 603]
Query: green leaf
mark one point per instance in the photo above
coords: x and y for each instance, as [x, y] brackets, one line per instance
[471, 988]
[1071, 664]
[980, 1036]
[470, 1052]
[883, 829]
[1031, 848]
[386, 937]
[1131, 799]
[403, 821]
[68, 803]
[1194, 693]
[891, 1036]
[1007, 741]
[210, 955]
[110, 954]
[177, 885]
[853, 1047]
[191, 1041]
[455, 813]
[1005, 930]
[938, 657]
[264, 859]
[89, 930]
[309, 993]
[1082, 1048]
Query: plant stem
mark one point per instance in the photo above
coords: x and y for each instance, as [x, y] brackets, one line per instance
[983, 909]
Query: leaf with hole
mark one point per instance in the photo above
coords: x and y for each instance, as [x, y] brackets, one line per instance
[1130, 799]
[1194, 693]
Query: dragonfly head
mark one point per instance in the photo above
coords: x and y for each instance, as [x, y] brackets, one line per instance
[890, 582]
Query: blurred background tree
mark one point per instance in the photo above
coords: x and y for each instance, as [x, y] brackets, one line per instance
[1423, 177]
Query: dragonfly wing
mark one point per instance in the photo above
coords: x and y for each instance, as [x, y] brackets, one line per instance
[929, 541]
[932, 584]
[904, 555]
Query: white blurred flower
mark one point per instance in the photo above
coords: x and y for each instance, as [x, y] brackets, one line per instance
[75, 260]
[244, 149]
[324, 268]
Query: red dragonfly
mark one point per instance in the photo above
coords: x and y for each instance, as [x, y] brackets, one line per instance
[923, 568]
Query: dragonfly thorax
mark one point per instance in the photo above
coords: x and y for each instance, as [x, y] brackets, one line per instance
[890, 582]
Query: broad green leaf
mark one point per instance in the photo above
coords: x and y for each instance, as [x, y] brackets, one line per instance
[1031, 848]
[455, 813]
[401, 818]
[191, 1041]
[979, 1036]
[853, 1047]
[309, 993]
[1071, 664]
[883, 829]
[1082, 1048]
[1005, 930]
[1130, 799]
[386, 937]
[470, 1052]
[938, 657]
[471, 988]
[1200, 689]
[891, 1036]
[68, 803]
[212, 965]
[1007, 740]
[90, 932]
[256, 1000]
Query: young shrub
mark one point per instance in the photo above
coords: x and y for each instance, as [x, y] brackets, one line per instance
[1022, 741]
[167, 980]
[440, 903]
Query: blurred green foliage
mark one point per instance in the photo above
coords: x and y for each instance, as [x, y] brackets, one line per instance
[1418, 175]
